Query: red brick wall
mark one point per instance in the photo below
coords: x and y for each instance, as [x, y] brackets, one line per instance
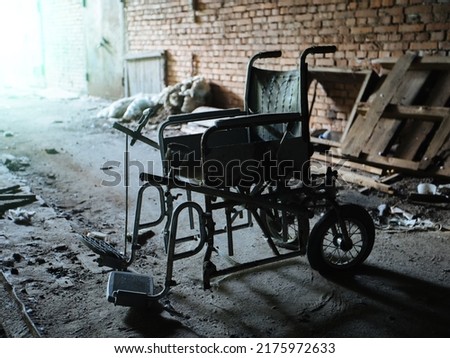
[219, 39]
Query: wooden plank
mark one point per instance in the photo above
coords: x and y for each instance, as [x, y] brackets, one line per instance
[384, 96]
[327, 142]
[384, 180]
[440, 94]
[425, 63]
[393, 163]
[338, 161]
[382, 136]
[335, 74]
[412, 136]
[407, 92]
[444, 153]
[385, 134]
[365, 181]
[10, 189]
[353, 135]
[353, 114]
[416, 132]
[438, 141]
[359, 179]
[426, 113]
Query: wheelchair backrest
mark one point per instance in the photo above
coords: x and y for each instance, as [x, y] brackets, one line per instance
[272, 91]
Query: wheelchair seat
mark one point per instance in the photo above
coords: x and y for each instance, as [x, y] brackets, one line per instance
[266, 141]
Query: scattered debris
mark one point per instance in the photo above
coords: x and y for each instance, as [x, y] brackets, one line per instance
[116, 109]
[97, 235]
[430, 193]
[426, 189]
[429, 198]
[40, 261]
[183, 97]
[10, 189]
[397, 218]
[14, 315]
[137, 106]
[20, 217]
[444, 189]
[349, 172]
[17, 257]
[8, 262]
[15, 164]
[60, 247]
[10, 199]
[51, 151]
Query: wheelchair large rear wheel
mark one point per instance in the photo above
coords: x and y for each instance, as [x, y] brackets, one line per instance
[295, 233]
[329, 252]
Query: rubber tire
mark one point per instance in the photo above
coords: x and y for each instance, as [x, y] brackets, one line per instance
[350, 213]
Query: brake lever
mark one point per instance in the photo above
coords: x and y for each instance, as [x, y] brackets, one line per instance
[146, 115]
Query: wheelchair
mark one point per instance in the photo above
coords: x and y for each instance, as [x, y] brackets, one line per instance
[252, 166]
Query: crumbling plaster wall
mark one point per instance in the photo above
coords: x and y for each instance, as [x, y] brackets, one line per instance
[64, 44]
[217, 39]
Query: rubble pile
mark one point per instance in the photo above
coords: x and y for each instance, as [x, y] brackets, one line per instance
[183, 97]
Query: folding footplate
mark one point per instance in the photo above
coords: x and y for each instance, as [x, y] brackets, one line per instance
[129, 289]
[109, 255]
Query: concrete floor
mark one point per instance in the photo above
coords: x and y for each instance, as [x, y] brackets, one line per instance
[402, 291]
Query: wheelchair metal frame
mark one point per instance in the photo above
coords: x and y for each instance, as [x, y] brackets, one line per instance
[296, 195]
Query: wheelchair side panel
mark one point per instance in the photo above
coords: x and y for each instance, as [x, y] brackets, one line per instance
[246, 164]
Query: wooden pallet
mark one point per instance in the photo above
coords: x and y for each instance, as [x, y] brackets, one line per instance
[405, 124]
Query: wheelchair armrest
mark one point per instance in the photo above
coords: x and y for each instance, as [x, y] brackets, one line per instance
[254, 120]
[200, 116]
[248, 121]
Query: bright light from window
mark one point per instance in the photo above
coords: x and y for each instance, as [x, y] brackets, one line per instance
[21, 61]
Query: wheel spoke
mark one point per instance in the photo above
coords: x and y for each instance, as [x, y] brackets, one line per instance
[333, 252]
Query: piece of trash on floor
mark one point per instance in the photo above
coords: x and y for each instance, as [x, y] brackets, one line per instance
[426, 188]
[428, 193]
[429, 198]
[51, 151]
[15, 164]
[11, 198]
[20, 217]
[397, 218]
[97, 235]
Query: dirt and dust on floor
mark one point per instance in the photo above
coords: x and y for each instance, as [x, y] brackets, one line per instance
[54, 148]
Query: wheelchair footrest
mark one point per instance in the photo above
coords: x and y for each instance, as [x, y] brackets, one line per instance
[129, 289]
[109, 255]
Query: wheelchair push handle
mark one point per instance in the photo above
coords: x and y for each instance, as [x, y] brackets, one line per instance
[260, 55]
[322, 49]
[317, 50]
[268, 54]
